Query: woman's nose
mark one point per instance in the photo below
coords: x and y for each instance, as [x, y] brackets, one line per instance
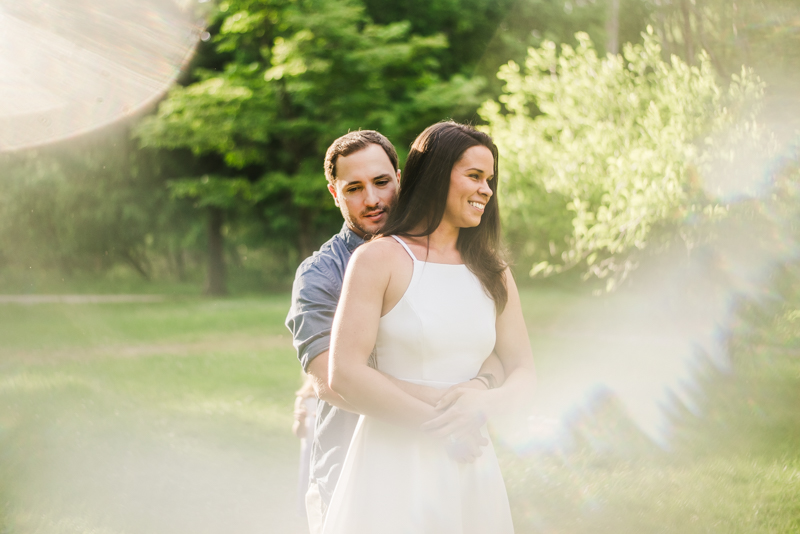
[485, 189]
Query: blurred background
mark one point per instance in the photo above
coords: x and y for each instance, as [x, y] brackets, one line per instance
[161, 179]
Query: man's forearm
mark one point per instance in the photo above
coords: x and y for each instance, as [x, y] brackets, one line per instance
[429, 395]
[426, 394]
[318, 369]
[328, 395]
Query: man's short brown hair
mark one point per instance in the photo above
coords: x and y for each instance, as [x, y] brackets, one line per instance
[353, 142]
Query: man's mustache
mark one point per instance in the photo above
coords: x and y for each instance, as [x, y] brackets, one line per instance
[371, 212]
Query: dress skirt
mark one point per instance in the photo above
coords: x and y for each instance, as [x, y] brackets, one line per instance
[400, 481]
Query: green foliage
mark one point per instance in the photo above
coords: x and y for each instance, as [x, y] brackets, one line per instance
[218, 192]
[469, 25]
[291, 77]
[608, 148]
[531, 22]
[759, 33]
[82, 207]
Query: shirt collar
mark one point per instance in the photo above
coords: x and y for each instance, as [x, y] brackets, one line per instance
[350, 238]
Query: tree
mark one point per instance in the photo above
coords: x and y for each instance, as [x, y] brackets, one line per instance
[292, 77]
[531, 22]
[84, 205]
[469, 26]
[758, 33]
[761, 34]
[601, 157]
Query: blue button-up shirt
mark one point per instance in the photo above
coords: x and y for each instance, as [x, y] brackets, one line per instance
[315, 295]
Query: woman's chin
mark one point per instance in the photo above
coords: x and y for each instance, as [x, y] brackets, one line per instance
[471, 224]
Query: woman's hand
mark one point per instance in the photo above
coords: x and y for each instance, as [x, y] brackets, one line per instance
[462, 410]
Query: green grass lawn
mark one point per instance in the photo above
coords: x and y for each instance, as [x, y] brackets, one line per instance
[161, 417]
[175, 417]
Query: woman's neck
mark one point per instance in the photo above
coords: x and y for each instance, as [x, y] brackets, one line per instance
[442, 242]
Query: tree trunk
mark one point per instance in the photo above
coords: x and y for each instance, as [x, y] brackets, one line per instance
[663, 34]
[699, 17]
[180, 264]
[612, 28]
[215, 277]
[687, 31]
[137, 264]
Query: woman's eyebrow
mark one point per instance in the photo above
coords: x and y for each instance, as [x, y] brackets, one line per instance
[480, 171]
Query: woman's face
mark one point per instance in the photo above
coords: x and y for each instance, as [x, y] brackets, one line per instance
[469, 187]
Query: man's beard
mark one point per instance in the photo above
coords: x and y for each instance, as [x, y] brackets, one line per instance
[354, 222]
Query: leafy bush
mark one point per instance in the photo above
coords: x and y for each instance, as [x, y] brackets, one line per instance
[603, 157]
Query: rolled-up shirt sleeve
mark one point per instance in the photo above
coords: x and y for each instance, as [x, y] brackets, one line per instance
[315, 295]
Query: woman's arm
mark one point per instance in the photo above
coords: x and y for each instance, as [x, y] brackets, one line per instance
[461, 409]
[355, 329]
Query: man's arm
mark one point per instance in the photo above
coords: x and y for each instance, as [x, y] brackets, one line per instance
[309, 320]
[317, 369]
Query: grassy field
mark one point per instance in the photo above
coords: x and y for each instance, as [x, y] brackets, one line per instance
[174, 417]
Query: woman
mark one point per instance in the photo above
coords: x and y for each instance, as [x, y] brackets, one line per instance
[434, 299]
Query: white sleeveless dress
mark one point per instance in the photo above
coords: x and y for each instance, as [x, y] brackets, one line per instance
[400, 481]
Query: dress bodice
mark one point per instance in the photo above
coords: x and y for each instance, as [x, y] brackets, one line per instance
[441, 330]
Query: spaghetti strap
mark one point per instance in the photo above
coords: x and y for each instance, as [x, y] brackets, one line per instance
[405, 247]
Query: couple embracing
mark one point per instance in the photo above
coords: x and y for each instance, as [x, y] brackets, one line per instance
[412, 340]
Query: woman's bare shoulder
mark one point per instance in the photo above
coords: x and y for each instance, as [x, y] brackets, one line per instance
[380, 250]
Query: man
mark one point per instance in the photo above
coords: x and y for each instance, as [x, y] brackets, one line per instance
[364, 179]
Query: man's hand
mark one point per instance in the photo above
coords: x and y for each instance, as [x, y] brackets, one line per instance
[299, 424]
[466, 448]
[462, 410]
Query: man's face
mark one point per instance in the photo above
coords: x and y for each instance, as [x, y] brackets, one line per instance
[365, 189]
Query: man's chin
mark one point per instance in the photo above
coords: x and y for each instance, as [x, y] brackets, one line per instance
[369, 228]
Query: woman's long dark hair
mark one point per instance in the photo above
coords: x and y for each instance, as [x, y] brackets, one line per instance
[423, 198]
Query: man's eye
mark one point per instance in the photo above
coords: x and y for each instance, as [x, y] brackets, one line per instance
[351, 190]
[382, 182]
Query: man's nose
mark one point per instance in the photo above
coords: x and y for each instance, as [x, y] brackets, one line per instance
[371, 197]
